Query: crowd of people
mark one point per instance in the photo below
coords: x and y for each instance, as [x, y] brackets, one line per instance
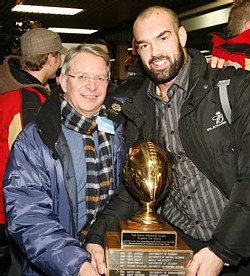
[61, 186]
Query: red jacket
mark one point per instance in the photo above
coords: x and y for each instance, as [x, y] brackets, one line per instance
[17, 108]
[236, 48]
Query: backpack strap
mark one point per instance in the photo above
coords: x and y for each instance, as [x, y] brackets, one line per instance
[222, 85]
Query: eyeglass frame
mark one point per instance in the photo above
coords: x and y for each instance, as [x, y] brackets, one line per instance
[87, 78]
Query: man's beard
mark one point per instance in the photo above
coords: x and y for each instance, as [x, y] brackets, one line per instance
[168, 74]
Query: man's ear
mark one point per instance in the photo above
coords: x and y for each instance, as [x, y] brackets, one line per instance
[50, 60]
[182, 36]
[63, 82]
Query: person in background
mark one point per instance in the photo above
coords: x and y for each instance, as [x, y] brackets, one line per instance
[102, 43]
[106, 47]
[236, 46]
[178, 107]
[132, 63]
[135, 76]
[22, 92]
[129, 60]
[63, 168]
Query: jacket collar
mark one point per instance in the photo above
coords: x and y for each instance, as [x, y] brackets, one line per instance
[202, 80]
[48, 119]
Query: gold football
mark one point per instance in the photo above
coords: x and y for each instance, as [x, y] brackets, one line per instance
[147, 173]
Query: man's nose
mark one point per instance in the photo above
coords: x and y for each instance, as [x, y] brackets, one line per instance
[155, 49]
[91, 83]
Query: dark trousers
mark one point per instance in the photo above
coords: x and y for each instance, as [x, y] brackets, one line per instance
[196, 245]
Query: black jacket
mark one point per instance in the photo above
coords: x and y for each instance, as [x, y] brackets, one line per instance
[219, 150]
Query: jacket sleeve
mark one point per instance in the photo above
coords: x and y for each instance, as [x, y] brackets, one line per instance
[231, 240]
[121, 207]
[32, 222]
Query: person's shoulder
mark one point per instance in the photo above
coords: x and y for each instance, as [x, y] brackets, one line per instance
[7, 80]
[239, 79]
[111, 87]
[10, 100]
[131, 86]
[29, 137]
[29, 129]
[235, 72]
[114, 108]
[10, 94]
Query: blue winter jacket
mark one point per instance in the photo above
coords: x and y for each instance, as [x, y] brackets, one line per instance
[40, 195]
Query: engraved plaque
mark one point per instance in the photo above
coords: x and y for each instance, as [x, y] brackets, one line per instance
[171, 259]
[164, 237]
[144, 273]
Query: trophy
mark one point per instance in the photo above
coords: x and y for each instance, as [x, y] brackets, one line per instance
[146, 244]
[147, 174]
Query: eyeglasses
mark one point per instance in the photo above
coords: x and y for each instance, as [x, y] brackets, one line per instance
[83, 78]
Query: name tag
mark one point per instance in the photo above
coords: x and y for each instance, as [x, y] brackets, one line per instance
[106, 125]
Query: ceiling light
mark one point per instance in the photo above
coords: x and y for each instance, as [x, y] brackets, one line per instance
[46, 9]
[72, 31]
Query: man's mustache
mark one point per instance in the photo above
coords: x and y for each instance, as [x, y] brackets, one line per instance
[159, 58]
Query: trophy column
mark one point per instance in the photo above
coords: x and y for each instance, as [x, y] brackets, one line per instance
[146, 244]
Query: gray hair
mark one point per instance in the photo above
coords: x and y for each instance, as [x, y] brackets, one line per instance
[84, 48]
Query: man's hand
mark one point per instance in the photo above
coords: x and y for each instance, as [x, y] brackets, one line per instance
[87, 269]
[216, 62]
[97, 255]
[205, 263]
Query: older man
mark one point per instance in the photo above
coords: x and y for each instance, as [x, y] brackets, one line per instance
[63, 169]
